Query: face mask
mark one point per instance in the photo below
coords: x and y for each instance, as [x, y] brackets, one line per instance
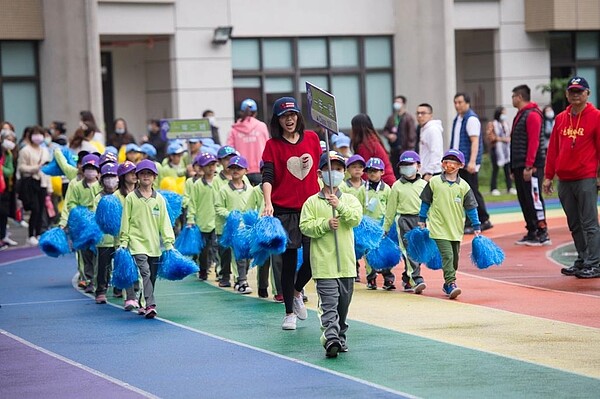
[8, 145]
[37, 139]
[5, 132]
[408, 170]
[90, 174]
[450, 167]
[213, 121]
[111, 182]
[120, 131]
[149, 127]
[52, 131]
[47, 140]
[549, 114]
[502, 117]
[397, 106]
[337, 178]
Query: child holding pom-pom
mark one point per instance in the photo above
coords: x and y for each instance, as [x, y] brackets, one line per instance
[144, 222]
[233, 196]
[109, 182]
[334, 278]
[404, 202]
[444, 202]
[82, 193]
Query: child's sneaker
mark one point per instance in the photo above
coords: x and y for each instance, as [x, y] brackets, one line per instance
[263, 293]
[332, 347]
[244, 288]
[101, 299]
[117, 292]
[299, 308]
[372, 284]
[419, 287]
[388, 285]
[89, 289]
[289, 322]
[202, 275]
[150, 312]
[451, 290]
[130, 304]
[141, 311]
[278, 298]
[224, 284]
[407, 287]
[82, 284]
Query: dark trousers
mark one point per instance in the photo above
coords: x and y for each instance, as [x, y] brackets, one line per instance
[412, 269]
[38, 208]
[394, 156]
[205, 257]
[88, 259]
[290, 280]
[496, 169]
[530, 198]
[105, 257]
[473, 180]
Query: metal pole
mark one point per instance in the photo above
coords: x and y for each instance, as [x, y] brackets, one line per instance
[337, 250]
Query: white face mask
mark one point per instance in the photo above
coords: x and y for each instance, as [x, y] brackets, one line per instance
[408, 170]
[6, 132]
[111, 182]
[549, 114]
[337, 178]
[37, 138]
[213, 121]
[120, 131]
[502, 117]
[397, 106]
[90, 174]
[8, 145]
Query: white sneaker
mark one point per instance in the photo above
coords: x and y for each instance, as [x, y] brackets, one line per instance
[496, 192]
[512, 191]
[32, 241]
[289, 322]
[299, 308]
[10, 241]
[24, 224]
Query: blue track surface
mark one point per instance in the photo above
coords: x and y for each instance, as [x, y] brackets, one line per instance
[40, 306]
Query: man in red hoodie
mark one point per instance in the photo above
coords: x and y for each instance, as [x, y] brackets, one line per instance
[574, 156]
[527, 158]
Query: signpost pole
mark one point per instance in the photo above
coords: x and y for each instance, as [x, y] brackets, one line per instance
[335, 237]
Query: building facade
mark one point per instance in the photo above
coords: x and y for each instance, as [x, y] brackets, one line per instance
[143, 59]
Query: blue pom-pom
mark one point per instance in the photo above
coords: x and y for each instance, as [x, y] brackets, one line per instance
[421, 248]
[54, 242]
[83, 229]
[250, 217]
[175, 266]
[385, 256]
[367, 236]
[108, 214]
[230, 229]
[486, 253]
[52, 168]
[436, 262]
[189, 242]
[393, 233]
[125, 272]
[174, 203]
[268, 238]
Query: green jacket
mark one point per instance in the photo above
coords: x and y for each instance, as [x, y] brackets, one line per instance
[187, 191]
[201, 207]
[404, 199]
[228, 199]
[375, 201]
[359, 192]
[8, 168]
[314, 223]
[144, 222]
[256, 201]
[78, 194]
[69, 171]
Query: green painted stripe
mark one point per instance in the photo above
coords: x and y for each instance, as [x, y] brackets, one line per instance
[402, 362]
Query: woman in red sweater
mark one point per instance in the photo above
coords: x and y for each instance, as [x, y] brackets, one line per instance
[366, 143]
[291, 159]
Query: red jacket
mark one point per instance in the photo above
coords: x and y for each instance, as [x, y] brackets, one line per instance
[574, 147]
[373, 148]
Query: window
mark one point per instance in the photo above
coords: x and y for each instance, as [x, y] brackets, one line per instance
[19, 79]
[358, 71]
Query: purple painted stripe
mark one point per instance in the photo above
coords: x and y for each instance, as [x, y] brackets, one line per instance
[11, 255]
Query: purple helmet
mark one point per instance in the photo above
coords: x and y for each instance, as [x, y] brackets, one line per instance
[109, 169]
[125, 168]
[146, 164]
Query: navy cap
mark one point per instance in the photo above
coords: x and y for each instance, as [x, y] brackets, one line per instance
[578, 82]
[409, 157]
[285, 104]
[375, 163]
[238, 161]
[456, 154]
[335, 156]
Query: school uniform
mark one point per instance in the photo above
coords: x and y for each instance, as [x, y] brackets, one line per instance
[201, 212]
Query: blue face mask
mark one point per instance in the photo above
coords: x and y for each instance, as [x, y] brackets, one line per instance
[337, 178]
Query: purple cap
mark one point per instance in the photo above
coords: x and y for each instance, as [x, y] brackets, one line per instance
[109, 169]
[334, 156]
[146, 164]
[238, 161]
[204, 159]
[375, 163]
[125, 168]
[355, 158]
[409, 157]
[91, 160]
[225, 151]
[456, 154]
[285, 104]
[107, 157]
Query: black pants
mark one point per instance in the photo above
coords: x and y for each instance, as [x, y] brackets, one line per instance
[530, 198]
[290, 280]
[105, 257]
[38, 208]
[4, 212]
[394, 156]
[205, 257]
[496, 169]
[473, 180]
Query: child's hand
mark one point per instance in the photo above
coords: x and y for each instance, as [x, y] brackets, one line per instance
[422, 225]
[333, 200]
[477, 233]
[334, 223]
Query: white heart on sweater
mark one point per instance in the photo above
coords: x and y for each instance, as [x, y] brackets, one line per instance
[300, 166]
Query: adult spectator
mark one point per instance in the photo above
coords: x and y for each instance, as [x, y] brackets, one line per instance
[291, 158]
[400, 131]
[7, 171]
[574, 156]
[248, 136]
[367, 144]
[212, 119]
[527, 166]
[83, 137]
[155, 138]
[120, 135]
[548, 113]
[466, 132]
[498, 134]
[87, 118]
[431, 141]
[58, 131]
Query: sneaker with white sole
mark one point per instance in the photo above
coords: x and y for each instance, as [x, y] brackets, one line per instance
[495, 192]
[289, 322]
[244, 288]
[300, 308]
[10, 241]
[130, 304]
[32, 241]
